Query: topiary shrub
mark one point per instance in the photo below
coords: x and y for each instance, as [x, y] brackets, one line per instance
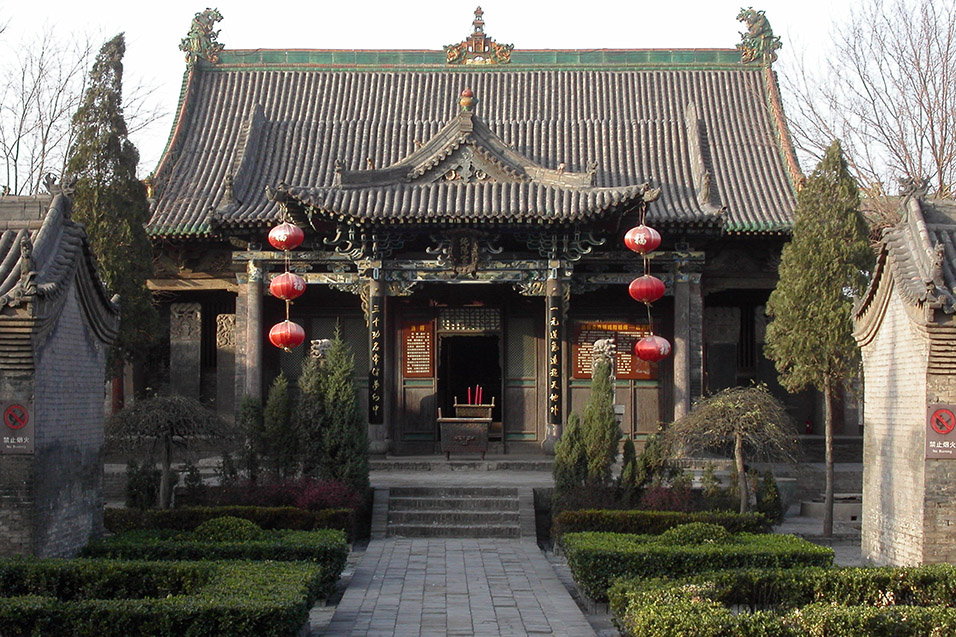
[768, 498]
[696, 533]
[228, 529]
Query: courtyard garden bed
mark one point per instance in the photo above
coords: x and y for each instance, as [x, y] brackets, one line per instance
[187, 519]
[106, 598]
[597, 559]
[864, 602]
[654, 522]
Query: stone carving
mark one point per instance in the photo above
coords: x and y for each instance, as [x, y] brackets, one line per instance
[318, 347]
[478, 48]
[226, 331]
[185, 321]
[758, 43]
[65, 187]
[201, 43]
[603, 349]
[914, 187]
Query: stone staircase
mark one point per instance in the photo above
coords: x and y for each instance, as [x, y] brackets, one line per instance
[459, 512]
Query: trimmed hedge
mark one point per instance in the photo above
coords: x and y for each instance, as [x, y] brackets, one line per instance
[791, 602]
[270, 518]
[102, 598]
[326, 547]
[654, 522]
[596, 559]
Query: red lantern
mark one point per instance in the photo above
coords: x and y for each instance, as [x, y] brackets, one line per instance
[652, 348]
[646, 289]
[286, 335]
[286, 236]
[642, 239]
[287, 286]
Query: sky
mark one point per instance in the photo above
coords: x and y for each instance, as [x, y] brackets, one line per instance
[153, 59]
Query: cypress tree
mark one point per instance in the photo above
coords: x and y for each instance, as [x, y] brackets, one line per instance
[111, 202]
[825, 265]
[570, 468]
[345, 440]
[281, 441]
[310, 415]
[601, 432]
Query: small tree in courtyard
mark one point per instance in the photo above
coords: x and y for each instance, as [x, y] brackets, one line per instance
[570, 468]
[280, 439]
[345, 438]
[747, 422]
[160, 424]
[600, 430]
[310, 415]
[111, 202]
[825, 265]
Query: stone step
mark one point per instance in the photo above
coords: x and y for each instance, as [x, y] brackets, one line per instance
[453, 492]
[473, 503]
[454, 517]
[453, 530]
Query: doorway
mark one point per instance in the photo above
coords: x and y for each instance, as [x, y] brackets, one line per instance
[467, 361]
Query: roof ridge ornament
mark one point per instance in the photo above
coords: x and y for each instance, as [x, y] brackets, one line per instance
[758, 43]
[200, 43]
[478, 48]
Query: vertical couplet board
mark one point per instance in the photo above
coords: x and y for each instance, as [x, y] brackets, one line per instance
[554, 360]
[376, 412]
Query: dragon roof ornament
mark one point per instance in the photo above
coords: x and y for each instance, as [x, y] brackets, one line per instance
[758, 43]
[200, 43]
[478, 48]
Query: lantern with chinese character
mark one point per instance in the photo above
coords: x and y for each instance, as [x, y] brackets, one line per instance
[287, 286]
[286, 236]
[286, 335]
[642, 239]
[652, 348]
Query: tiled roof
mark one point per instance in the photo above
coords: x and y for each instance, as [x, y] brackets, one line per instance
[701, 127]
[41, 255]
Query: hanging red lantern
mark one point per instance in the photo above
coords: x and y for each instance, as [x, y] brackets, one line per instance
[646, 289]
[652, 348]
[287, 286]
[286, 236]
[286, 335]
[642, 239]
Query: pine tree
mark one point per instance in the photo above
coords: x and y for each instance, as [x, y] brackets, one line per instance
[111, 202]
[310, 415]
[281, 442]
[345, 441]
[601, 432]
[810, 338]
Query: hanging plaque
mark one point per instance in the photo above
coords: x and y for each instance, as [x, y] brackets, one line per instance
[418, 338]
[625, 335]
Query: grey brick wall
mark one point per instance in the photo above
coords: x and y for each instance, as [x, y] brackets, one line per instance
[16, 505]
[68, 463]
[894, 441]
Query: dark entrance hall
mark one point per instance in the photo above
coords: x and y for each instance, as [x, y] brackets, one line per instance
[467, 361]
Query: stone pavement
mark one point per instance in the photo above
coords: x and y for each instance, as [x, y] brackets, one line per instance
[456, 587]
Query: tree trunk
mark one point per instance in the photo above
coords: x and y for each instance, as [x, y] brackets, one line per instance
[117, 393]
[828, 445]
[741, 473]
[165, 488]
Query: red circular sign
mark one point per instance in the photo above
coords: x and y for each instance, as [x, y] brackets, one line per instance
[16, 416]
[942, 421]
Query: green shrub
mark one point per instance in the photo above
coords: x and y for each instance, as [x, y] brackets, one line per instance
[794, 602]
[228, 529]
[768, 498]
[654, 522]
[596, 559]
[142, 485]
[269, 518]
[105, 598]
[696, 533]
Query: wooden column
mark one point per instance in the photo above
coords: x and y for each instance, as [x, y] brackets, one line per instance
[688, 337]
[376, 342]
[254, 331]
[554, 340]
[225, 365]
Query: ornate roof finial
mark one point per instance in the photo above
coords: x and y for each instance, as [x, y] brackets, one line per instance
[478, 48]
[201, 43]
[758, 43]
[467, 100]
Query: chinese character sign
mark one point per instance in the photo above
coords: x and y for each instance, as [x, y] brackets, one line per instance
[376, 410]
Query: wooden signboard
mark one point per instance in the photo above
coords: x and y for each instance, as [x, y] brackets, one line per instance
[625, 335]
[418, 349]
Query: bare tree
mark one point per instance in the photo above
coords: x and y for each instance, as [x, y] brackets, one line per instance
[888, 91]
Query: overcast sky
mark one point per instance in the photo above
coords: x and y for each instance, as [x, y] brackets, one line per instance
[153, 58]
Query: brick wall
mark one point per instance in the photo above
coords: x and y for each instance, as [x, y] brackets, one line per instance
[68, 463]
[894, 441]
[16, 505]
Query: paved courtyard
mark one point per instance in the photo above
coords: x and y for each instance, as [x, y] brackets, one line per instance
[456, 587]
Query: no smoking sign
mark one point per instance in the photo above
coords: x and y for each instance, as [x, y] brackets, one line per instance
[940, 435]
[16, 427]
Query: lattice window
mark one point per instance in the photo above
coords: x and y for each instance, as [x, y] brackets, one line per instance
[521, 350]
[469, 319]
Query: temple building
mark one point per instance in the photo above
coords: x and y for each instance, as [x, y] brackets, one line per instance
[464, 212]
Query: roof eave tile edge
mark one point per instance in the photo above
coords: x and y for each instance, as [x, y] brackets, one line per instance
[783, 139]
